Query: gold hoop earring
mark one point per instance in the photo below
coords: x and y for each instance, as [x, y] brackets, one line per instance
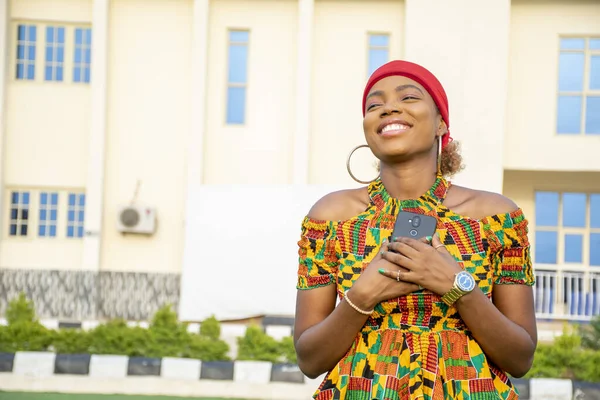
[350, 170]
[439, 156]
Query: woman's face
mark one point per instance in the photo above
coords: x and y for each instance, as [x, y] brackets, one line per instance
[401, 119]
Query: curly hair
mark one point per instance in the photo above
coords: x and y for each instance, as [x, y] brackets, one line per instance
[451, 162]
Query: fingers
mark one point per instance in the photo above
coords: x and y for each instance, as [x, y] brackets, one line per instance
[384, 247]
[416, 244]
[396, 256]
[402, 247]
[437, 244]
[398, 275]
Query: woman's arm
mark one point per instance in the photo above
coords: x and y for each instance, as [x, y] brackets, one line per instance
[323, 333]
[505, 329]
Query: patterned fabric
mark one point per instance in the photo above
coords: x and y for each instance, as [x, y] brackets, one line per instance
[415, 346]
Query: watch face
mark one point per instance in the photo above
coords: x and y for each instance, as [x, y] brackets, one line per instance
[465, 281]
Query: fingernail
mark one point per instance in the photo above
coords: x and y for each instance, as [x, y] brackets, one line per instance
[381, 252]
[396, 238]
[429, 238]
[385, 240]
[381, 270]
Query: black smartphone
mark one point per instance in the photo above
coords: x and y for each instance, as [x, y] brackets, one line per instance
[413, 225]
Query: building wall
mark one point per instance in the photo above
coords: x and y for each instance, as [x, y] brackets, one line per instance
[494, 60]
[340, 55]
[147, 130]
[46, 140]
[260, 150]
[531, 139]
[520, 186]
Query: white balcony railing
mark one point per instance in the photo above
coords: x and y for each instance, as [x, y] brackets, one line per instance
[562, 293]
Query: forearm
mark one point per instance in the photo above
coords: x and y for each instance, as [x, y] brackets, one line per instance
[496, 334]
[322, 346]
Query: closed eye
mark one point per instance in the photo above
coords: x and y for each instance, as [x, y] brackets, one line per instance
[371, 106]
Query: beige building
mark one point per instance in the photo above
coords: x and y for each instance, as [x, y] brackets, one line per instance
[166, 150]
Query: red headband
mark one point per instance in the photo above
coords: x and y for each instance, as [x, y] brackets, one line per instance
[417, 74]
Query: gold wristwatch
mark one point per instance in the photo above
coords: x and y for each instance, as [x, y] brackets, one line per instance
[463, 283]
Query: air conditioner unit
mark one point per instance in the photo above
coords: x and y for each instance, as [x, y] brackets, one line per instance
[136, 219]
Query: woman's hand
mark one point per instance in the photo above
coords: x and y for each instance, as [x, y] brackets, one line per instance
[428, 265]
[372, 287]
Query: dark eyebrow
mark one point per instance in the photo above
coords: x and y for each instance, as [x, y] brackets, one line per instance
[404, 87]
[398, 89]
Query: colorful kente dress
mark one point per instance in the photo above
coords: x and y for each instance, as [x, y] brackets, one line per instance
[415, 346]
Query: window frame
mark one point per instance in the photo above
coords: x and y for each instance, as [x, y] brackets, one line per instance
[586, 91]
[27, 44]
[83, 66]
[562, 231]
[34, 221]
[54, 47]
[77, 208]
[370, 47]
[47, 222]
[40, 51]
[19, 221]
[229, 84]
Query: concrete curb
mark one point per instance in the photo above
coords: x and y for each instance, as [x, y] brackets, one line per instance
[48, 372]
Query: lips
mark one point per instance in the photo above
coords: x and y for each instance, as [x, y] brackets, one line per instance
[392, 127]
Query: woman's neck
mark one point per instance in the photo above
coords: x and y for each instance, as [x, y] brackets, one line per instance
[408, 180]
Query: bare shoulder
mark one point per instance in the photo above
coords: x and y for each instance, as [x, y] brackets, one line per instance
[478, 204]
[340, 205]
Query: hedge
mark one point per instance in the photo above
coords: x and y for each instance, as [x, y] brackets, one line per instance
[165, 337]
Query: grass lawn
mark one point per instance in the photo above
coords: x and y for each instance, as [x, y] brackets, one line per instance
[60, 396]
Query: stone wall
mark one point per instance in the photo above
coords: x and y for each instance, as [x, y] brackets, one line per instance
[86, 295]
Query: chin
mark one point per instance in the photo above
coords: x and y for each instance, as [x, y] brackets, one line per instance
[391, 154]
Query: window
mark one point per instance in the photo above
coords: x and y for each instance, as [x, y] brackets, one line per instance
[26, 37]
[237, 78]
[48, 214]
[19, 213]
[83, 55]
[579, 86]
[567, 228]
[55, 53]
[379, 51]
[75, 215]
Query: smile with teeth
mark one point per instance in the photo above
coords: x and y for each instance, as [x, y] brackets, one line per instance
[394, 127]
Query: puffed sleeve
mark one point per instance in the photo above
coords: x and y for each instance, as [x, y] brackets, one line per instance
[509, 248]
[318, 254]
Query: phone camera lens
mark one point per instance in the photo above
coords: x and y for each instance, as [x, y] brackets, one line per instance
[413, 232]
[416, 222]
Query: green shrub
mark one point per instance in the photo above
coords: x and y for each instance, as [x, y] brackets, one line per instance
[210, 328]
[71, 341]
[20, 310]
[115, 337]
[258, 346]
[566, 358]
[165, 337]
[288, 350]
[23, 332]
[24, 336]
[207, 345]
[168, 337]
[206, 349]
[590, 334]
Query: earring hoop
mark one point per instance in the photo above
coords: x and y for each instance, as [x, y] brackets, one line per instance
[439, 156]
[350, 170]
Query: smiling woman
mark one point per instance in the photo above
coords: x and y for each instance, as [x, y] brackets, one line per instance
[414, 317]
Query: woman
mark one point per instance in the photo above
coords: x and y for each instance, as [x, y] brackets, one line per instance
[407, 324]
